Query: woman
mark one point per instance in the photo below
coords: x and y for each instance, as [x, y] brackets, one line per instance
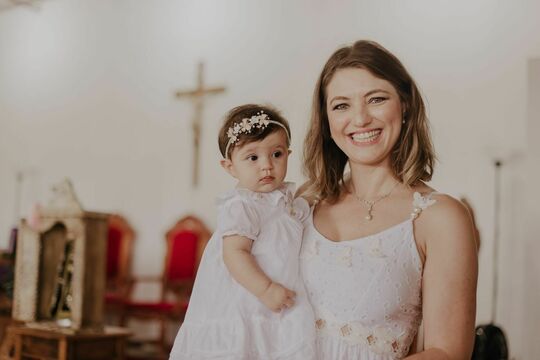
[382, 251]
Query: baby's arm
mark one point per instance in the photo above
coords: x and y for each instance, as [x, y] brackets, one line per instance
[245, 270]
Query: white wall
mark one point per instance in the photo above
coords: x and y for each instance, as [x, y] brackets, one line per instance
[86, 91]
[523, 273]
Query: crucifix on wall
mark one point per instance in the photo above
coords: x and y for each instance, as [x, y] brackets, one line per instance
[197, 95]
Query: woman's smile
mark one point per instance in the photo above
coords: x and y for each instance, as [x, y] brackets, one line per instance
[364, 115]
[366, 137]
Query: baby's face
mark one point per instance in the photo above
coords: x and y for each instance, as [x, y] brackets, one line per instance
[260, 166]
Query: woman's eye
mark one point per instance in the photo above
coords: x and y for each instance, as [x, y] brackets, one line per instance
[252, 158]
[377, 100]
[341, 106]
[277, 154]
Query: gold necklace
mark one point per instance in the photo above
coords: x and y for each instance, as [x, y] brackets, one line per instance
[369, 203]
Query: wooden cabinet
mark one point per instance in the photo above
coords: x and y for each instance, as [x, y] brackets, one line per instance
[61, 344]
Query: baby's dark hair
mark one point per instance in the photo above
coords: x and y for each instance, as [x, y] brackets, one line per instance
[238, 114]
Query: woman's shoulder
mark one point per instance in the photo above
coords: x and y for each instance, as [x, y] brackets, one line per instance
[445, 207]
[445, 219]
[304, 192]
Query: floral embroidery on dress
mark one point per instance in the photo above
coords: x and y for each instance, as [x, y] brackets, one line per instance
[375, 248]
[376, 304]
[291, 210]
[345, 257]
[345, 330]
[289, 204]
[385, 341]
[380, 340]
[420, 203]
[312, 250]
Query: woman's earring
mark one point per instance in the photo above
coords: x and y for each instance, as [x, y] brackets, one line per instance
[403, 121]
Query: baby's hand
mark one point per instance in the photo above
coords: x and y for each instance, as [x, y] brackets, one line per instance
[277, 297]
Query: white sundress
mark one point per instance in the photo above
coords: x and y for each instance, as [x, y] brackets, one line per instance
[224, 320]
[366, 293]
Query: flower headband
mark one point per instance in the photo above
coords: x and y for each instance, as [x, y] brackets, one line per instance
[258, 121]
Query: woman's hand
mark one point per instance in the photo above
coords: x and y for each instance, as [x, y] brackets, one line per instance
[277, 297]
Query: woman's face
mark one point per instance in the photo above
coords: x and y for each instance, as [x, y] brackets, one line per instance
[364, 114]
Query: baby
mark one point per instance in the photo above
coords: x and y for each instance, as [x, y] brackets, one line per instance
[248, 301]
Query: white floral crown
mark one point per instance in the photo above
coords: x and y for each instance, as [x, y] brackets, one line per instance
[257, 121]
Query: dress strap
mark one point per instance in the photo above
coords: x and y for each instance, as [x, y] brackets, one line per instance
[421, 202]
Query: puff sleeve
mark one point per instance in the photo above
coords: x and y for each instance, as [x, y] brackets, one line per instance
[239, 218]
[301, 208]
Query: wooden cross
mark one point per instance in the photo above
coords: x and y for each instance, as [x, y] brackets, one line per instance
[197, 96]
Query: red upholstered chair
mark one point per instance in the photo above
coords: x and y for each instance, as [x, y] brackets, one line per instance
[119, 254]
[186, 241]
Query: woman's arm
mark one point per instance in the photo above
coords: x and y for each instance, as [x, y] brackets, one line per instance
[245, 270]
[445, 234]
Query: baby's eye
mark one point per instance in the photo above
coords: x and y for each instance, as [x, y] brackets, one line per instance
[341, 106]
[277, 154]
[252, 157]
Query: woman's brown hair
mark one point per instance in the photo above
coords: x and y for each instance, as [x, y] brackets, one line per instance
[412, 158]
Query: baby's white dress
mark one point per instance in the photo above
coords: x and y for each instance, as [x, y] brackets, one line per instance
[224, 320]
[366, 293]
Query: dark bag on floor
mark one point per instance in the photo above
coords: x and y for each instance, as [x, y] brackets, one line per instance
[490, 343]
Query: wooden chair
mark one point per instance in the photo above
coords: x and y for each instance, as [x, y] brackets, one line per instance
[186, 241]
[119, 254]
[7, 265]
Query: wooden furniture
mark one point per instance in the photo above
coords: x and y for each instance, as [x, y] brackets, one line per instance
[67, 344]
[60, 264]
[120, 238]
[186, 241]
[7, 264]
[59, 289]
[6, 290]
[7, 345]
